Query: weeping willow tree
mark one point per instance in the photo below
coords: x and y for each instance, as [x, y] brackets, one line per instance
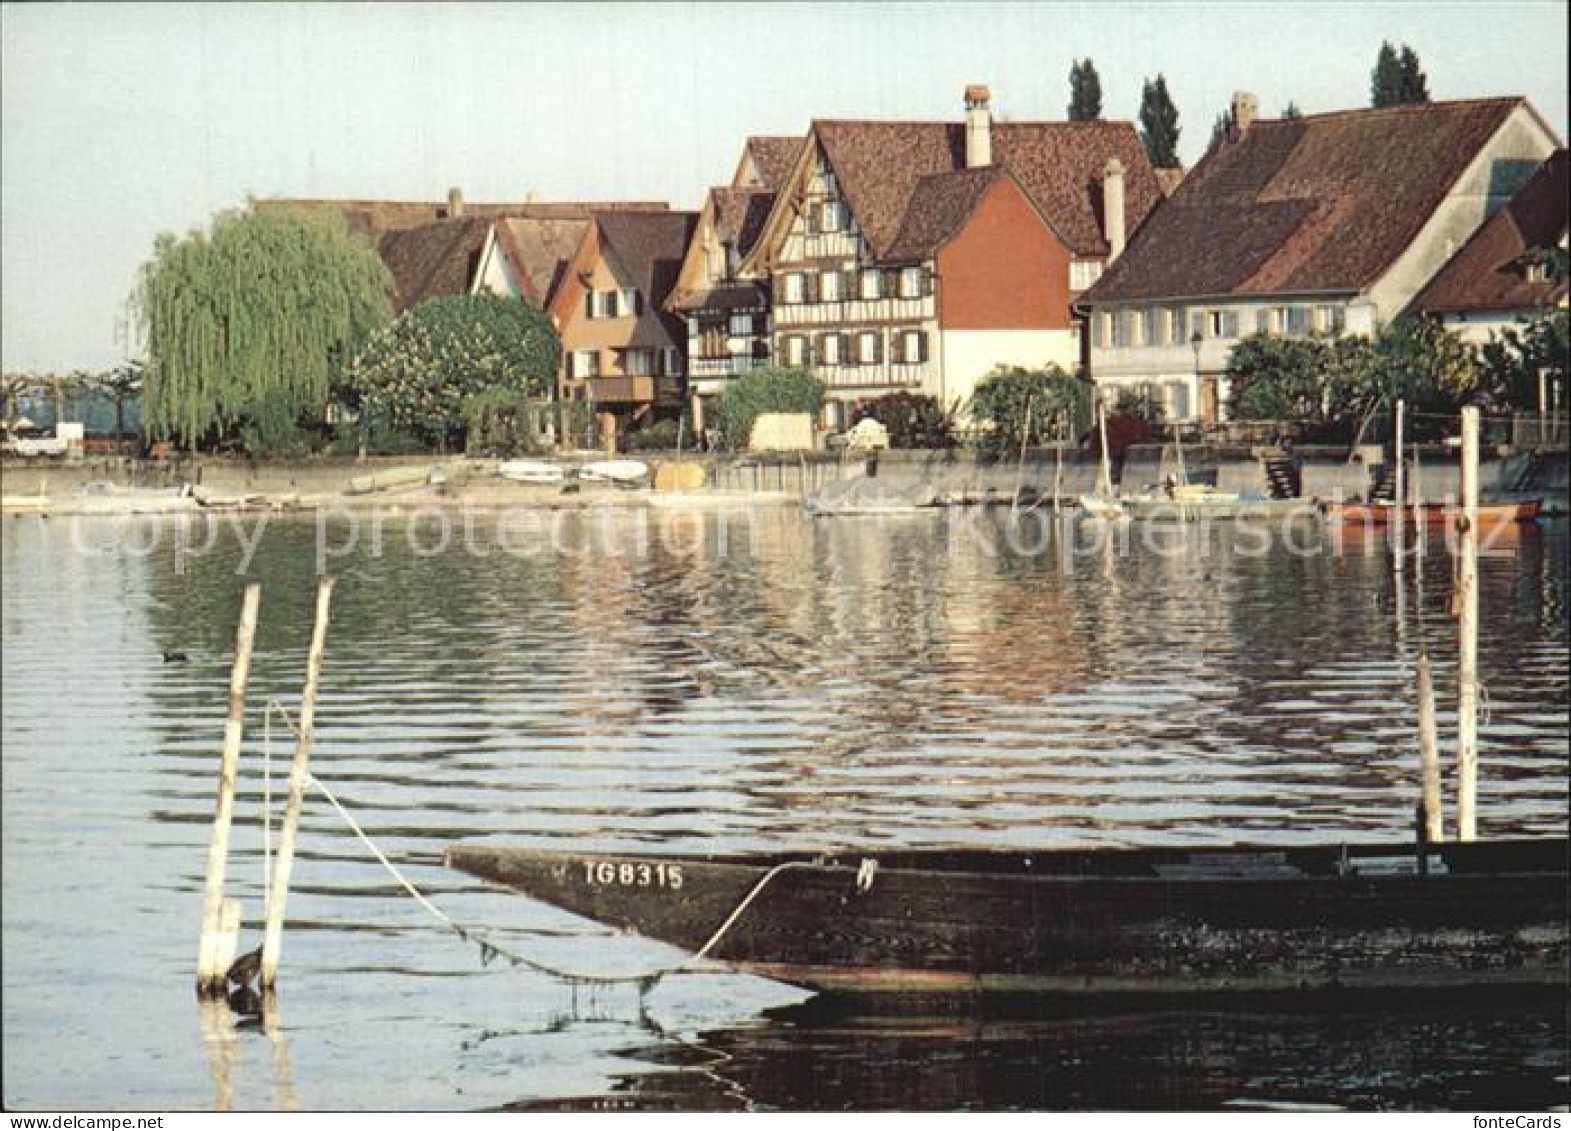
[249, 327]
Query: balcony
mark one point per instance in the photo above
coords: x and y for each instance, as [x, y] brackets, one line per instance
[622, 390]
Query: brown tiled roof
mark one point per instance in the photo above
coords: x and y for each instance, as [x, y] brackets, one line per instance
[740, 214]
[939, 208]
[650, 247]
[1058, 164]
[773, 156]
[374, 218]
[434, 259]
[1320, 203]
[540, 250]
[727, 296]
[1489, 273]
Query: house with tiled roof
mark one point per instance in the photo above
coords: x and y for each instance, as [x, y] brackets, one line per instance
[916, 256]
[1502, 276]
[623, 352]
[432, 249]
[727, 312]
[1321, 224]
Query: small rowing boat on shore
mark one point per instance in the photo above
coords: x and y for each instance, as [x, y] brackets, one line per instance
[1178, 921]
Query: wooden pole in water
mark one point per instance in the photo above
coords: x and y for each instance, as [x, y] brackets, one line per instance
[1428, 753]
[1399, 526]
[273, 940]
[1467, 660]
[210, 964]
[1020, 468]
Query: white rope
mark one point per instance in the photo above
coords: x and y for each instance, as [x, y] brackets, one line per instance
[694, 963]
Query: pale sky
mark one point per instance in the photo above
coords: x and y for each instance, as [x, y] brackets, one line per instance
[121, 121]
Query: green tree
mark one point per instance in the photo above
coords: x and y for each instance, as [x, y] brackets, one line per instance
[1512, 362]
[1385, 81]
[1280, 379]
[120, 383]
[1291, 112]
[457, 362]
[912, 420]
[1085, 92]
[252, 324]
[769, 389]
[1159, 124]
[1221, 128]
[1398, 78]
[1415, 84]
[1058, 404]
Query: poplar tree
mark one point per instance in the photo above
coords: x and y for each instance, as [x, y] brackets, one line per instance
[1085, 92]
[1159, 124]
[1414, 83]
[252, 324]
[1385, 82]
[1291, 112]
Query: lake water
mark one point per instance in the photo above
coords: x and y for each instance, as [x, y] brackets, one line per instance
[652, 680]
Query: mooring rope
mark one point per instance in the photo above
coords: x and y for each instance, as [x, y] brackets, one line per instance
[490, 950]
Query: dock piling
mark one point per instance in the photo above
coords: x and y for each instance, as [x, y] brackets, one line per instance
[1428, 754]
[1467, 659]
[212, 964]
[272, 941]
[1399, 527]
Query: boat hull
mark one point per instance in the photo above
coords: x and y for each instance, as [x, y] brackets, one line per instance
[1491, 516]
[1220, 509]
[1236, 920]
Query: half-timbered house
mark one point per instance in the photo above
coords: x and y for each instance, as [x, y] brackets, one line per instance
[918, 256]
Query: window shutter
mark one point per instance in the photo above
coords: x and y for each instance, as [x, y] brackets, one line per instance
[589, 304]
[921, 346]
[927, 282]
[809, 287]
[890, 283]
[897, 348]
[848, 284]
[638, 304]
[1197, 325]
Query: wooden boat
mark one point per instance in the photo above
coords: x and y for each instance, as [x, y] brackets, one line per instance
[1104, 506]
[530, 471]
[1180, 921]
[1103, 509]
[1192, 505]
[861, 496]
[1491, 516]
[623, 472]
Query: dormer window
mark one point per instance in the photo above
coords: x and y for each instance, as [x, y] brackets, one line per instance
[1536, 271]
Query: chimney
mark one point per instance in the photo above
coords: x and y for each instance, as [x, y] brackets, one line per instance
[455, 202]
[1113, 207]
[979, 128]
[1245, 109]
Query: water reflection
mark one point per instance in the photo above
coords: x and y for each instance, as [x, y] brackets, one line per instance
[692, 682]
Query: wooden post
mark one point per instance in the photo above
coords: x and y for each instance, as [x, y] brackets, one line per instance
[1020, 468]
[273, 939]
[211, 966]
[1467, 660]
[1428, 753]
[1399, 498]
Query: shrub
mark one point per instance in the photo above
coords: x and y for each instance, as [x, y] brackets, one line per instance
[657, 436]
[912, 420]
[771, 389]
[1059, 405]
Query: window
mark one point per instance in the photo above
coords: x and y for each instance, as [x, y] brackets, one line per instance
[870, 347]
[628, 302]
[1330, 319]
[673, 361]
[829, 286]
[1536, 271]
[913, 282]
[1214, 323]
[638, 363]
[585, 363]
[1151, 326]
[711, 340]
[1175, 400]
[1104, 329]
[831, 216]
[872, 283]
[1083, 273]
[1122, 321]
[796, 350]
[1298, 320]
[909, 347]
[1173, 327]
[832, 349]
[795, 287]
